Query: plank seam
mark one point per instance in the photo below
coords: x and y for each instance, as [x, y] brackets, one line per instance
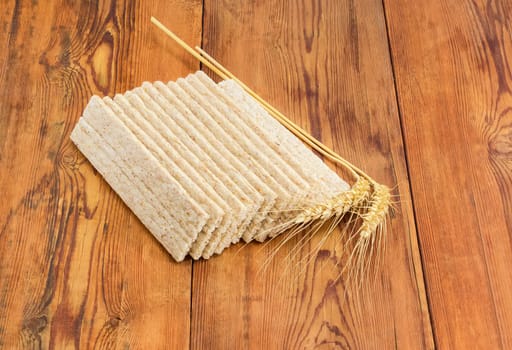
[406, 156]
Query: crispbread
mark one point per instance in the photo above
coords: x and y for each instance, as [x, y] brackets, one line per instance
[280, 169]
[239, 141]
[134, 194]
[164, 188]
[283, 141]
[325, 182]
[153, 113]
[203, 164]
[199, 116]
[229, 165]
[136, 119]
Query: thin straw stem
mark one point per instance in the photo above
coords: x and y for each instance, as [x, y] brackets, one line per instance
[187, 48]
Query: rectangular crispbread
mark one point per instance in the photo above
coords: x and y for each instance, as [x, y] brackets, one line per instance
[137, 120]
[166, 229]
[239, 147]
[163, 186]
[280, 168]
[202, 165]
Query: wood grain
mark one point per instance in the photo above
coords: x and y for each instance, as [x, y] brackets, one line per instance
[77, 269]
[326, 65]
[453, 71]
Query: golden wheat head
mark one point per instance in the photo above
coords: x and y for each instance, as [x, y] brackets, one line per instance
[377, 211]
[338, 205]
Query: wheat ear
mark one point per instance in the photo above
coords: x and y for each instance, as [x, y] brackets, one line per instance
[315, 216]
[377, 210]
[338, 205]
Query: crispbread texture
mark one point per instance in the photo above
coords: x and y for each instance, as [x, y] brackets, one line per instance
[204, 145]
[296, 186]
[235, 211]
[283, 141]
[227, 145]
[223, 130]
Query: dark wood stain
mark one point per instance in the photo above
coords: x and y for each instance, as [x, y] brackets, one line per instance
[13, 30]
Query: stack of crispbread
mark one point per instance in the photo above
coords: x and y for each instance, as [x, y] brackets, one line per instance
[202, 164]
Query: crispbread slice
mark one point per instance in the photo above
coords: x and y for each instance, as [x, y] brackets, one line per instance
[153, 113]
[164, 187]
[283, 141]
[239, 141]
[325, 182]
[136, 120]
[229, 165]
[280, 168]
[195, 113]
[172, 115]
[134, 194]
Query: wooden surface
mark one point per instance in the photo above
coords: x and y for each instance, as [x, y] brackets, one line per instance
[416, 93]
[453, 62]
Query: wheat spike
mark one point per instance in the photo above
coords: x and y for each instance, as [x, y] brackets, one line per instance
[339, 205]
[377, 211]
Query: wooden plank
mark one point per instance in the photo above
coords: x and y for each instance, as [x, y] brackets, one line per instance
[326, 65]
[77, 269]
[453, 63]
